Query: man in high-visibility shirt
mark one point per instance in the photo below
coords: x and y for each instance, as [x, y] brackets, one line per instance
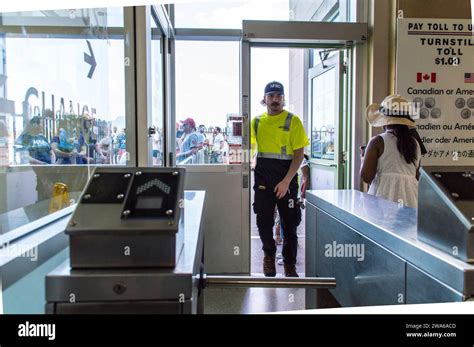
[279, 139]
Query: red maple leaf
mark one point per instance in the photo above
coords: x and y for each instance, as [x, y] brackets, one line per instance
[426, 77]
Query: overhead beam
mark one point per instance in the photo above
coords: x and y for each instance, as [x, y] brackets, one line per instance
[57, 32]
[304, 32]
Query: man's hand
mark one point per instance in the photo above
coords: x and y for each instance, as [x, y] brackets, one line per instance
[303, 189]
[281, 189]
[253, 162]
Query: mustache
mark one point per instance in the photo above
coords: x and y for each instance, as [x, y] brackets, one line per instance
[275, 104]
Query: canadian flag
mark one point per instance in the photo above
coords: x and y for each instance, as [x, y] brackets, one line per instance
[421, 77]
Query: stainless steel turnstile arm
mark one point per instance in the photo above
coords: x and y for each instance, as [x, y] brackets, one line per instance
[266, 282]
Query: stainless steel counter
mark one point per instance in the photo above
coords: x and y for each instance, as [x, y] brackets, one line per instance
[393, 229]
[164, 284]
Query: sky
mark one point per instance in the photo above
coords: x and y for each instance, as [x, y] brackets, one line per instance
[57, 67]
[207, 79]
[214, 66]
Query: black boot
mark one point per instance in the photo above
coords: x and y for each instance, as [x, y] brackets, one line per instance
[290, 270]
[269, 269]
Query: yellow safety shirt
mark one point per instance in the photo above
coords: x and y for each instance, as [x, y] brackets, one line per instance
[277, 137]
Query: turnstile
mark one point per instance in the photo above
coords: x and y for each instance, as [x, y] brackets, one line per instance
[135, 290]
[446, 210]
[372, 247]
[165, 269]
[128, 218]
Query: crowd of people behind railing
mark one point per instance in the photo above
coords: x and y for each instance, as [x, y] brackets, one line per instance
[76, 140]
[71, 140]
[200, 145]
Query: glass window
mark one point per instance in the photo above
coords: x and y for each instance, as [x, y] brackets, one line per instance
[285, 65]
[323, 115]
[321, 56]
[268, 64]
[85, 17]
[62, 108]
[323, 10]
[207, 101]
[229, 14]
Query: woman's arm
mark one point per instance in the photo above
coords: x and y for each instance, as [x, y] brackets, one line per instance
[34, 161]
[418, 151]
[369, 162]
[53, 156]
[305, 180]
[56, 150]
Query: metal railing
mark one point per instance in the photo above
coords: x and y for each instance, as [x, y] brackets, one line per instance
[267, 282]
[200, 157]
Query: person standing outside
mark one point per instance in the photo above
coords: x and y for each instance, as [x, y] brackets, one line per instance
[217, 146]
[201, 135]
[157, 147]
[114, 145]
[190, 140]
[35, 149]
[104, 149]
[279, 138]
[34, 145]
[122, 147]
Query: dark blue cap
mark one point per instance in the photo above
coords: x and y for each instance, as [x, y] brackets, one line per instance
[274, 87]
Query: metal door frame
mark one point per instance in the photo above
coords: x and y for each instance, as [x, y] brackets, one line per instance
[291, 34]
[335, 62]
[236, 245]
[144, 15]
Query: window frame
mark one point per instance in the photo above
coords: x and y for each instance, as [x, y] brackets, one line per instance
[73, 32]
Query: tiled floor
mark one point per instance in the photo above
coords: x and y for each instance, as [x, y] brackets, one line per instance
[257, 253]
[252, 300]
[259, 300]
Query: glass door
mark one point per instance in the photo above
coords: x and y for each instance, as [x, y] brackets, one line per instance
[325, 88]
[315, 93]
[209, 145]
[285, 65]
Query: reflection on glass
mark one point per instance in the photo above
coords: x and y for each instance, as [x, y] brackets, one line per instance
[230, 14]
[207, 95]
[62, 106]
[85, 17]
[319, 56]
[323, 133]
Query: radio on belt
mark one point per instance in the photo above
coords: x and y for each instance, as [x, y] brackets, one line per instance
[128, 217]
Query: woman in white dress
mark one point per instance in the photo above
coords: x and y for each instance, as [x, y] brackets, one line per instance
[392, 159]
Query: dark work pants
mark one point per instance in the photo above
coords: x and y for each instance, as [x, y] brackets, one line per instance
[290, 218]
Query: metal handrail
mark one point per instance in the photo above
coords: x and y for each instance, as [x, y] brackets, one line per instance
[194, 159]
[267, 282]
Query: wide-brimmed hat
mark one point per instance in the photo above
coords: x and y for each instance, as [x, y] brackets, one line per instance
[393, 110]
